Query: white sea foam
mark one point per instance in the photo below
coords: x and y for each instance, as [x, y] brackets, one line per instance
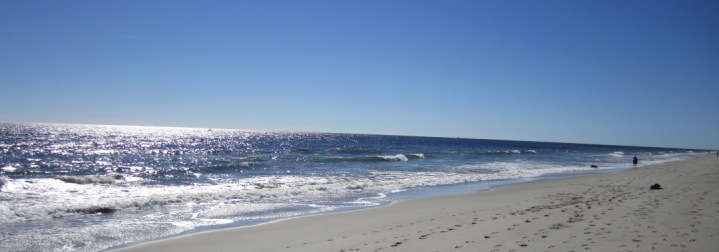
[96, 195]
[500, 152]
[78, 195]
[3, 181]
[180, 208]
[81, 196]
[175, 180]
[617, 154]
[8, 169]
[369, 201]
[92, 179]
[398, 157]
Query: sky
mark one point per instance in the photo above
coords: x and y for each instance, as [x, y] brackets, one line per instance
[640, 73]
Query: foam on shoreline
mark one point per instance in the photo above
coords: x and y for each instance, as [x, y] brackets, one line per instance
[614, 211]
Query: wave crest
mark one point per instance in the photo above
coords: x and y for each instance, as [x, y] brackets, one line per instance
[398, 157]
[499, 152]
[8, 169]
[92, 179]
[617, 154]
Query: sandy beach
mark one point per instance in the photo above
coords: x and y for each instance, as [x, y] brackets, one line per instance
[601, 212]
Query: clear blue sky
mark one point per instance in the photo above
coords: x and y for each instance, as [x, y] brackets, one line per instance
[608, 72]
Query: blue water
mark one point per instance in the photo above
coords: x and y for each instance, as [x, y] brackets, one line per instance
[90, 187]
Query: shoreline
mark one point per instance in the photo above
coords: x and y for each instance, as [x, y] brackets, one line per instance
[608, 211]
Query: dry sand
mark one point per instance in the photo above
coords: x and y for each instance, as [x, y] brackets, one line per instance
[603, 212]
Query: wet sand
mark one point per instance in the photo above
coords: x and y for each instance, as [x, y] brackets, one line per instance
[602, 212]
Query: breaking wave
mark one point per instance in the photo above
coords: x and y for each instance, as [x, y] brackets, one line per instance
[92, 179]
[79, 195]
[398, 157]
[384, 158]
[8, 169]
[505, 152]
[87, 188]
[616, 154]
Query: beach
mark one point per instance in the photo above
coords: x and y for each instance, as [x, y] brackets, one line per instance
[599, 212]
[135, 184]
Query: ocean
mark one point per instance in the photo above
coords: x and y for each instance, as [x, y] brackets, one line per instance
[97, 187]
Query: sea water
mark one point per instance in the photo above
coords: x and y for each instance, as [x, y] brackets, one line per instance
[92, 187]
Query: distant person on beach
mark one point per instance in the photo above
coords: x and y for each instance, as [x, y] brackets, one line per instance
[635, 160]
